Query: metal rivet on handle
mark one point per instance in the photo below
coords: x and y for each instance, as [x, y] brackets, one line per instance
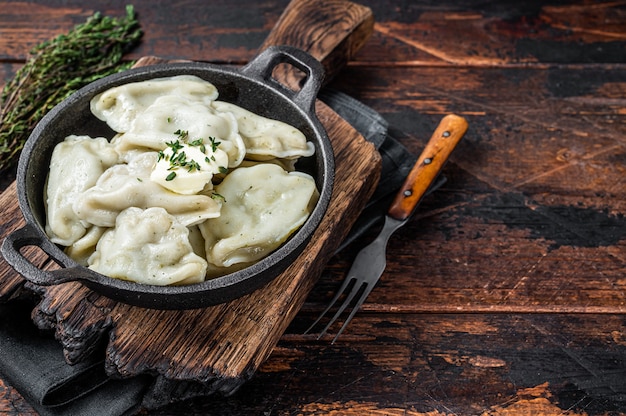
[428, 161]
[446, 133]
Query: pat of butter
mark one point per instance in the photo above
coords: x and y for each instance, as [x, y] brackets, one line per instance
[189, 174]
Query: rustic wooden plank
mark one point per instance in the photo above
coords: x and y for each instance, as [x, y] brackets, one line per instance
[428, 32]
[532, 217]
[453, 33]
[419, 364]
[12, 403]
[18, 34]
[219, 31]
[10, 220]
[427, 362]
[456, 261]
[516, 141]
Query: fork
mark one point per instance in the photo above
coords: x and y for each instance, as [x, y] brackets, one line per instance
[370, 262]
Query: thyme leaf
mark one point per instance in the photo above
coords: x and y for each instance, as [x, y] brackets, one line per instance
[218, 197]
[182, 134]
[214, 144]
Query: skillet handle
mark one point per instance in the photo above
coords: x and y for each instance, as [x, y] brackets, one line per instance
[332, 31]
[262, 66]
[29, 236]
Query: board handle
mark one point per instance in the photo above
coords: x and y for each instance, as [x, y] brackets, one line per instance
[428, 165]
[332, 31]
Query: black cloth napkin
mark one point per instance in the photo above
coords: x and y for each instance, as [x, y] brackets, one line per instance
[33, 362]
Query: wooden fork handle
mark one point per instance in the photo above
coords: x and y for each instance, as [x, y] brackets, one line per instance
[437, 151]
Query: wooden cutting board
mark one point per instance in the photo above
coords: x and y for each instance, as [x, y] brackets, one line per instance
[221, 346]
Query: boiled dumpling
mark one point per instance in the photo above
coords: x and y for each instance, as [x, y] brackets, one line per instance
[75, 166]
[196, 240]
[266, 138]
[119, 106]
[263, 205]
[148, 246]
[86, 245]
[171, 115]
[123, 186]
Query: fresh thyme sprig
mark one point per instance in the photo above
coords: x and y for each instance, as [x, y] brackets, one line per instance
[58, 67]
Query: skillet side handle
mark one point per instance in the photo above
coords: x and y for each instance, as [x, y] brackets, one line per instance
[262, 67]
[28, 236]
[332, 31]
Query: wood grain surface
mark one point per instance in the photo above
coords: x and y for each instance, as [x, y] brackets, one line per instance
[506, 293]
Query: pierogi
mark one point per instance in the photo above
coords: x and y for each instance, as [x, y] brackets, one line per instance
[188, 188]
[265, 204]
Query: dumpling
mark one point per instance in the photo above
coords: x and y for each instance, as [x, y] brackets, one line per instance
[263, 205]
[160, 123]
[148, 246]
[119, 106]
[265, 138]
[75, 166]
[86, 245]
[196, 240]
[123, 186]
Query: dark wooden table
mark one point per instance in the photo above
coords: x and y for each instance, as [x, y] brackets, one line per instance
[506, 294]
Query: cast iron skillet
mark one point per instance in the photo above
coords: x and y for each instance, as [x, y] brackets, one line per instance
[251, 87]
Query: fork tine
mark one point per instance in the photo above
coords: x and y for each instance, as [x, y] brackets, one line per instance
[338, 294]
[353, 291]
[357, 306]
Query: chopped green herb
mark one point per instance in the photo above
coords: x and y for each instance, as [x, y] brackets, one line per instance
[183, 134]
[223, 169]
[214, 144]
[171, 176]
[217, 196]
[193, 165]
[175, 146]
[179, 159]
[199, 143]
